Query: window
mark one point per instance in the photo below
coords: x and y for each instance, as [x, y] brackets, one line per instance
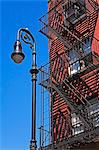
[74, 62]
[73, 55]
[73, 10]
[87, 47]
[77, 126]
[75, 67]
[94, 113]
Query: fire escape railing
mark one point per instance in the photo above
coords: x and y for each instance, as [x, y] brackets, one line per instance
[51, 82]
[55, 26]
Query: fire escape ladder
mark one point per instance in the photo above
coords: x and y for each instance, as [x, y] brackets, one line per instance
[76, 92]
[74, 107]
[57, 27]
[66, 82]
[71, 30]
[48, 84]
[63, 32]
[70, 87]
[67, 34]
[84, 85]
[57, 79]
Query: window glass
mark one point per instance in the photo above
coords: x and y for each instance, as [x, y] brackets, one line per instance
[73, 55]
[74, 65]
[77, 126]
[73, 10]
[94, 114]
[87, 47]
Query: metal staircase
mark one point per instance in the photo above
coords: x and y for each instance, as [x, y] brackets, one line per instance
[64, 88]
[74, 91]
[80, 109]
[53, 24]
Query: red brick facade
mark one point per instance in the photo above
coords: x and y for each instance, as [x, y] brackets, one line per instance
[85, 82]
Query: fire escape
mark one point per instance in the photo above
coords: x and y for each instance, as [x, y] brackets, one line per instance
[72, 23]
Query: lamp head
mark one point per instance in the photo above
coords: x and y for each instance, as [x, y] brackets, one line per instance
[17, 55]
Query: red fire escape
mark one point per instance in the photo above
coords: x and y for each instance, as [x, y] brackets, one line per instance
[72, 78]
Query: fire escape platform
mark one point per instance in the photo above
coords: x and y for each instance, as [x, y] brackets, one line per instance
[72, 75]
[77, 140]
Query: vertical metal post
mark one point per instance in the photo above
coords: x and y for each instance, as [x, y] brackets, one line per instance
[42, 113]
[33, 72]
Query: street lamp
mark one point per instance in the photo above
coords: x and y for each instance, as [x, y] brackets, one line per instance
[18, 56]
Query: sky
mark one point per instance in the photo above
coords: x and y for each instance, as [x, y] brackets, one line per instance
[15, 79]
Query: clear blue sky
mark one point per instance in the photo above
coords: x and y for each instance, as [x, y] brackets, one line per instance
[15, 80]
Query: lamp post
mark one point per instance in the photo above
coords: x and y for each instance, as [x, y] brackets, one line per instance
[18, 56]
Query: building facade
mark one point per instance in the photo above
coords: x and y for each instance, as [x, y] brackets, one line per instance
[72, 27]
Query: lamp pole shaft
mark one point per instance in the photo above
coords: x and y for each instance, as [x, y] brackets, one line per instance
[33, 134]
[33, 72]
[34, 94]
